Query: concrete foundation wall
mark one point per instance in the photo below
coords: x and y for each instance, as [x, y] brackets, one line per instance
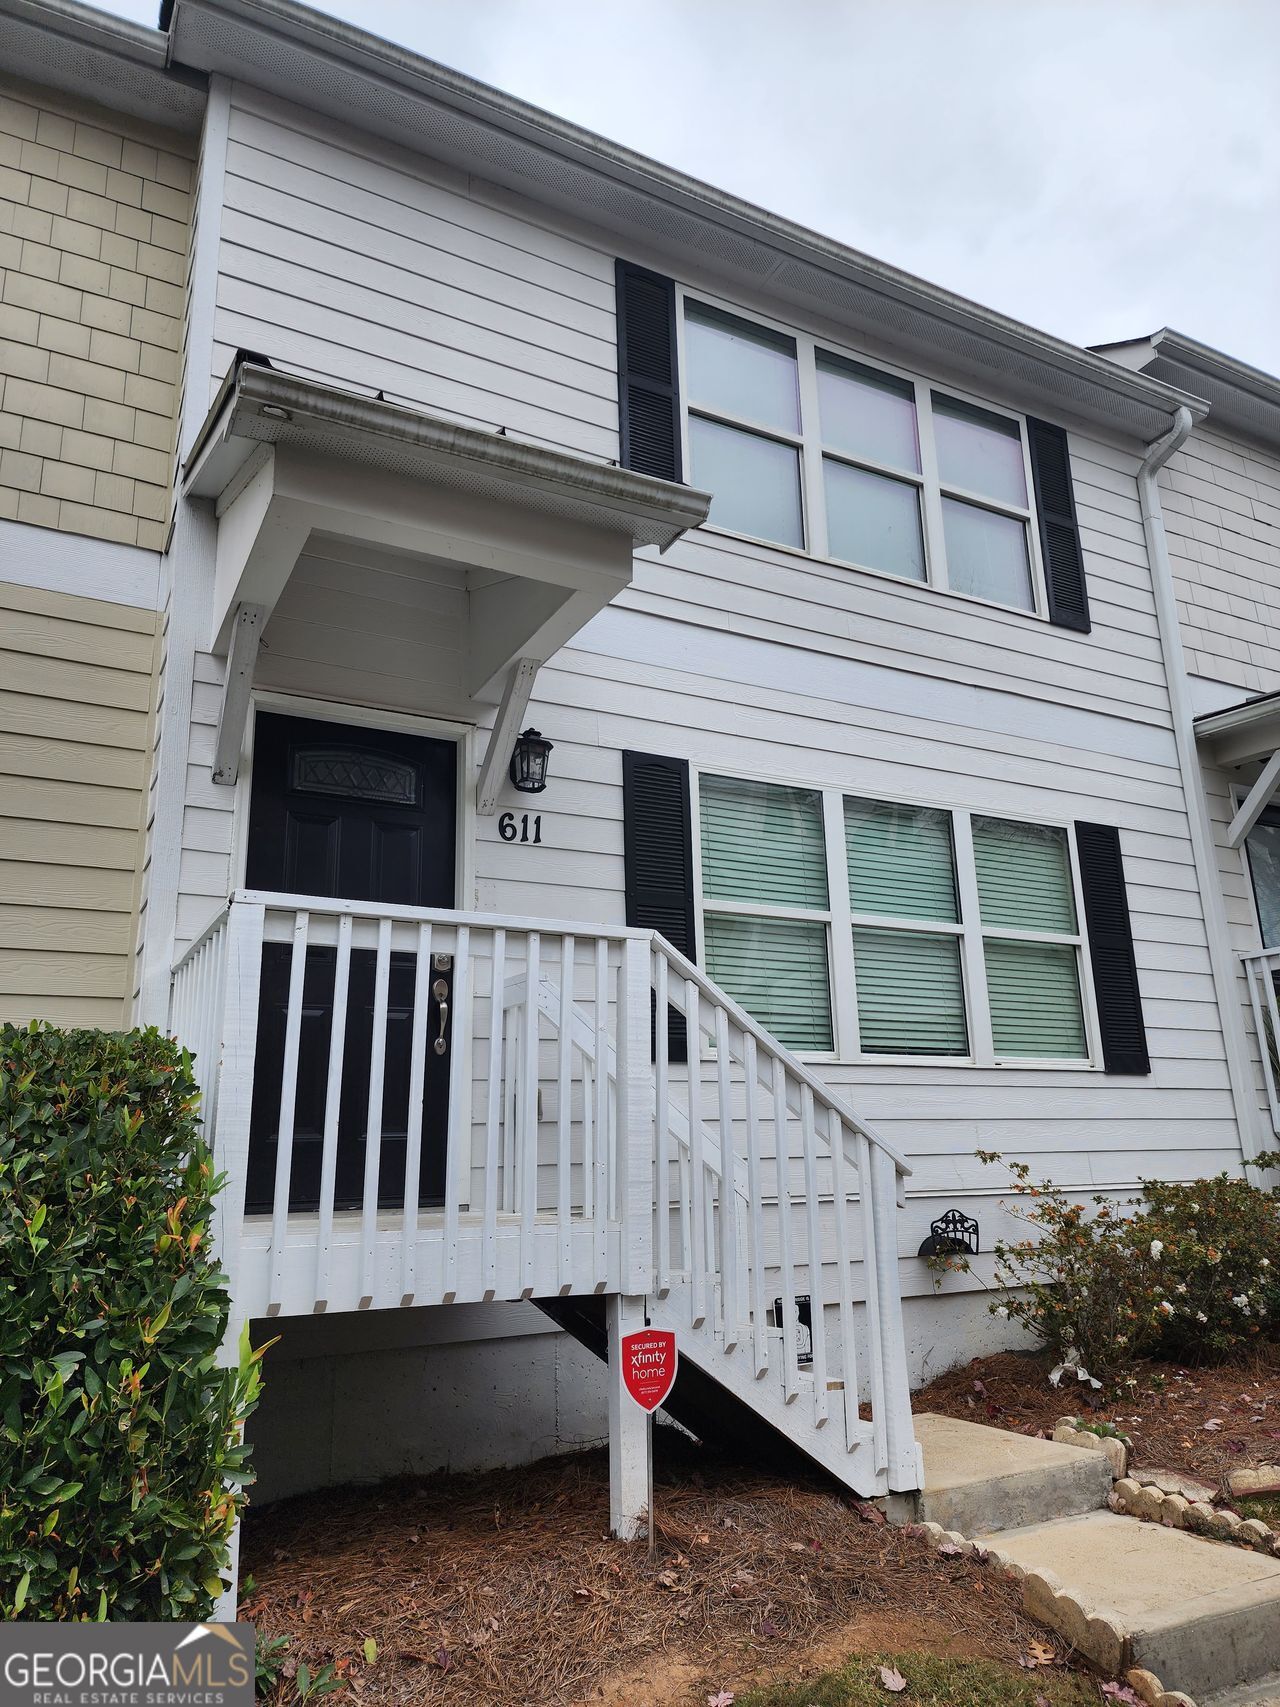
[463, 1387]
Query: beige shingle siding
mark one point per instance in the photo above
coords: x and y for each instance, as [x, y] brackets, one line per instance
[93, 240]
[76, 688]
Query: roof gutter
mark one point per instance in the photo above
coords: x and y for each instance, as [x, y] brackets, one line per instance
[1222, 960]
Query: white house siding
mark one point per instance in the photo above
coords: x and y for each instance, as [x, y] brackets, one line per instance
[1221, 502]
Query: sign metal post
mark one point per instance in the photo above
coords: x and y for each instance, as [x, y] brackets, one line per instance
[649, 1360]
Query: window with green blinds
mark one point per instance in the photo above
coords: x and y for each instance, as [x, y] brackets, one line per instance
[1034, 991]
[763, 843]
[900, 860]
[910, 993]
[1024, 875]
[777, 969]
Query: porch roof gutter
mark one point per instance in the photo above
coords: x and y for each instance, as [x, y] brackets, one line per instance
[258, 405]
[654, 211]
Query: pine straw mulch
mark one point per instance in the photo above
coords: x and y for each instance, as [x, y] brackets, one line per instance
[1197, 1422]
[504, 1588]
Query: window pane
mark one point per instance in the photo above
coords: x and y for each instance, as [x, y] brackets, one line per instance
[762, 842]
[742, 369]
[754, 482]
[979, 452]
[1024, 875]
[900, 860]
[868, 413]
[777, 969]
[873, 521]
[1263, 843]
[987, 554]
[1034, 989]
[910, 993]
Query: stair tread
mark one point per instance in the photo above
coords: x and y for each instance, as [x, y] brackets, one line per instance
[1200, 1614]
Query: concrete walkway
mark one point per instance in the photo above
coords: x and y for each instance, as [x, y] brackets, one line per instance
[1203, 1616]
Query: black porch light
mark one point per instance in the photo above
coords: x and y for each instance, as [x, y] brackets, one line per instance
[529, 762]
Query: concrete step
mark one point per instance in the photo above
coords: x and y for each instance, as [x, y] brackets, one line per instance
[1265, 1693]
[1202, 1615]
[979, 1479]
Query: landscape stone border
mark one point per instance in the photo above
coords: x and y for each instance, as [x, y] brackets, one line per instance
[1044, 1598]
[1177, 1502]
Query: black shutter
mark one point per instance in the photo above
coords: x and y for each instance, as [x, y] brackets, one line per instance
[1059, 530]
[1115, 973]
[648, 387]
[657, 845]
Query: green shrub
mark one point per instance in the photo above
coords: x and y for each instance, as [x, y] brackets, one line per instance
[121, 1461]
[1192, 1275]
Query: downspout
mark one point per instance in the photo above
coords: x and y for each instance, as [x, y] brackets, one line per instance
[1222, 960]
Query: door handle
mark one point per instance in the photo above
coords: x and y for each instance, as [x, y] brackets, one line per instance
[440, 990]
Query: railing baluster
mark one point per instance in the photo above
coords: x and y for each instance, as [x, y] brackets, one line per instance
[601, 1120]
[813, 1207]
[700, 1252]
[510, 1079]
[288, 1106]
[413, 1121]
[564, 1109]
[840, 1208]
[492, 1116]
[1266, 978]
[871, 1286]
[457, 1139]
[332, 1108]
[755, 1191]
[528, 1117]
[662, 1126]
[782, 1169]
[588, 1145]
[373, 1122]
[728, 1188]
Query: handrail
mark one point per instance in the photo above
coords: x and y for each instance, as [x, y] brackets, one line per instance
[822, 1092]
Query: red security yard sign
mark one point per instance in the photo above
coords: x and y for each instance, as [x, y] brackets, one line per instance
[649, 1366]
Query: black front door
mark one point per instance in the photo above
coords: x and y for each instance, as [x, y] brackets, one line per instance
[359, 815]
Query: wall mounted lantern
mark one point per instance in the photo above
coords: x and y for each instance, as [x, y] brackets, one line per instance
[529, 762]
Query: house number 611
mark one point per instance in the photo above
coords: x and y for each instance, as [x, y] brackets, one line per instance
[526, 829]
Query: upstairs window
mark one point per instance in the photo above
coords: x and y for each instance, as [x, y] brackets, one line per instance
[808, 447]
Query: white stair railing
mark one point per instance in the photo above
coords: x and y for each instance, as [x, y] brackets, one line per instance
[1262, 970]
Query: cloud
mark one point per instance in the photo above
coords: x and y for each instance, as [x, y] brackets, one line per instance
[1096, 167]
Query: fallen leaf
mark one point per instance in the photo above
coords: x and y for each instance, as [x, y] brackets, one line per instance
[444, 1659]
[892, 1679]
[1213, 1425]
[1037, 1654]
[724, 1699]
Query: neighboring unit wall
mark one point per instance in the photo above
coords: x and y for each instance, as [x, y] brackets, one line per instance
[1221, 502]
[75, 693]
[94, 212]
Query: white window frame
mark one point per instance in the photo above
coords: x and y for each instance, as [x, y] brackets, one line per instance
[840, 920]
[811, 452]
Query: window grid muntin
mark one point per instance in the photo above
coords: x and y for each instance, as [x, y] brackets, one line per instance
[812, 450]
[840, 920]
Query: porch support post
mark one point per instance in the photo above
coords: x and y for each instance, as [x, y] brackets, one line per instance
[246, 632]
[628, 1426]
[1255, 802]
[515, 702]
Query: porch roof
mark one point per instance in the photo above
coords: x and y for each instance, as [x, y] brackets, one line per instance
[258, 405]
[1241, 733]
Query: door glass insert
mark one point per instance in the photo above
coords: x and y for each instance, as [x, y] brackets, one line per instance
[364, 776]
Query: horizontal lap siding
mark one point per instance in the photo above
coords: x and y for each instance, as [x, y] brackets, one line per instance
[74, 717]
[354, 263]
[1221, 502]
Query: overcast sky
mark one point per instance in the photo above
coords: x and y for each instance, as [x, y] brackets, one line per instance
[1097, 169]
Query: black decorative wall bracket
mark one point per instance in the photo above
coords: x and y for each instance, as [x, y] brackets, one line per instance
[951, 1235]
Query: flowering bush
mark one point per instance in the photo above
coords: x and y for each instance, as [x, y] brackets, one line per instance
[1193, 1274]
